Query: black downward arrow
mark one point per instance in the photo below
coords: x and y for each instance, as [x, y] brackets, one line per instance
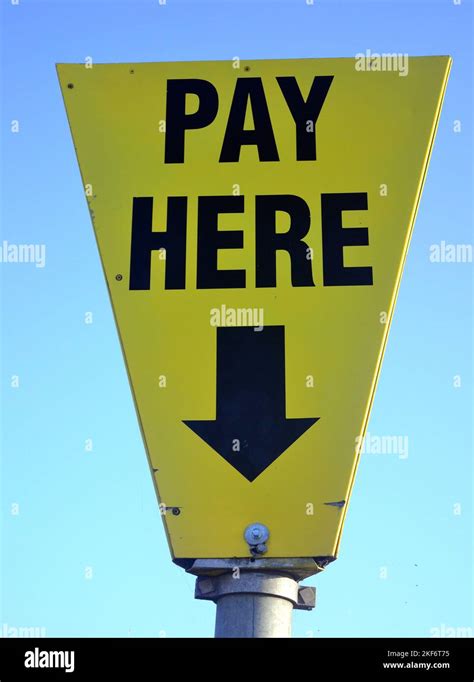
[251, 429]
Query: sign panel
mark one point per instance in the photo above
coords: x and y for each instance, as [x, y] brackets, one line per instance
[253, 223]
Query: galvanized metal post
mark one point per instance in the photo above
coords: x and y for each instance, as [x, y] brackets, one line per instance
[251, 604]
[253, 615]
[255, 598]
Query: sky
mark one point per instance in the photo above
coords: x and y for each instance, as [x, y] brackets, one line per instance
[83, 551]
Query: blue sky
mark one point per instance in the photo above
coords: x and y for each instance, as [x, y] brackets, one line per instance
[84, 552]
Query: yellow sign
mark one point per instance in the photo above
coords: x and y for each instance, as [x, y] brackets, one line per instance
[253, 224]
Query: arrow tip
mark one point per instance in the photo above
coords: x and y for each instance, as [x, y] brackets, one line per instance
[250, 445]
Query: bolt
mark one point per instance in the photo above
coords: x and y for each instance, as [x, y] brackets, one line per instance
[256, 534]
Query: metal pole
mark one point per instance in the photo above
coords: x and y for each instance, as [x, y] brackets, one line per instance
[254, 603]
[261, 605]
